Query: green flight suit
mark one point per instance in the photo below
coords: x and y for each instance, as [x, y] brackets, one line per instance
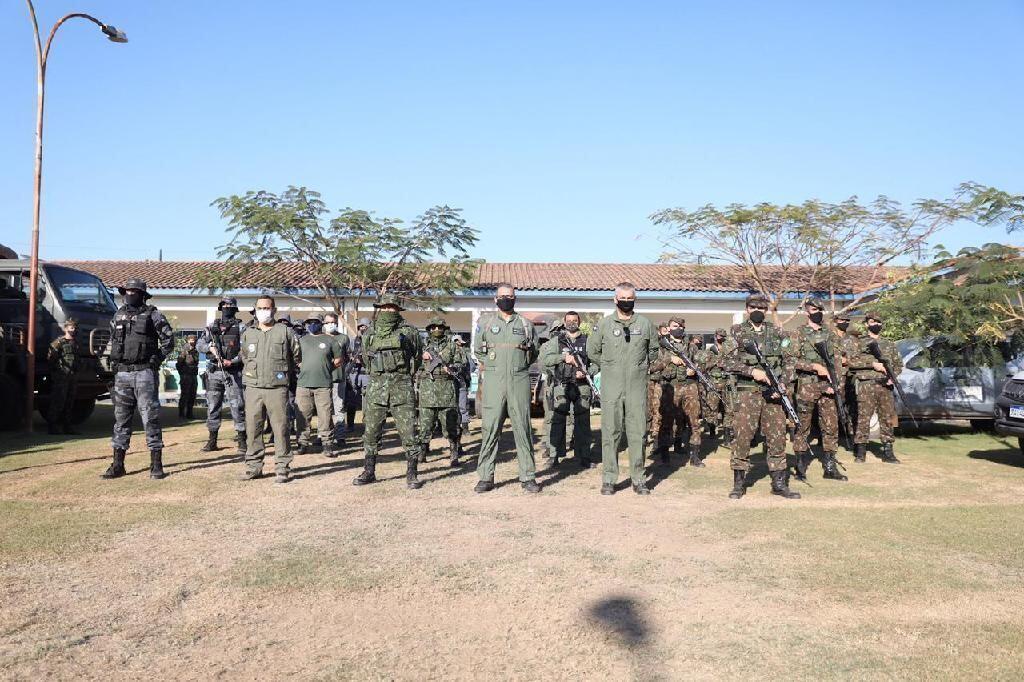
[391, 357]
[622, 350]
[269, 358]
[505, 349]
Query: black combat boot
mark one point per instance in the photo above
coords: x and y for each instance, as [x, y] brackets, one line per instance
[454, 449]
[678, 446]
[830, 466]
[641, 488]
[211, 443]
[860, 453]
[116, 468]
[531, 486]
[780, 486]
[607, 488]
[803, 461]
[695, 460]
[412, 482]
[483, 486]
[739, 484]
[369, 468]
[711, 430]
[424, 451]
[887, 455]
[156, 464]
[240, 441]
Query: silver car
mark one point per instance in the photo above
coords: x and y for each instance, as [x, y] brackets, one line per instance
[940, 382]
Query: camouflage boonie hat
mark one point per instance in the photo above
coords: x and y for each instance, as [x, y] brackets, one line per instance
[681, 321]
[757, 299]
[227, 300]
[388, 299]
[437, 321]
[315, 318]
[135, 283]
[363, 322]
[815, 301]
[841, 316]
[874, 316]
[720, 332]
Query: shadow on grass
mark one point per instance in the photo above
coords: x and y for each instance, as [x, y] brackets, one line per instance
[621, 618]
[1009, 456]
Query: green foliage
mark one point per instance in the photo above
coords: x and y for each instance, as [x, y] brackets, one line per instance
[962, 297]
[350, 256]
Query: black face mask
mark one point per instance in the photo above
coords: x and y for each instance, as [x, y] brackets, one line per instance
[134, 300]
[757, 316]
[625, 306]
[572, 328]
[720, 339]
[314, 327]
[874, 328]
[842, 326]
[506, 304]
[228, 313]
[816, 317]
[677, 333]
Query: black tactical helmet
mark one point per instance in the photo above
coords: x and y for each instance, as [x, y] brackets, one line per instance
[135, 283]
[228, 301]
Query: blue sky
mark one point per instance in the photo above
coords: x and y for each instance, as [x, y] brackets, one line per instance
[558, 126]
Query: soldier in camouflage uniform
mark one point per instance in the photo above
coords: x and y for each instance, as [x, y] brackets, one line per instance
[187, 365]
[224, 374]
[753, 407]
[438, 389]
[392, 354]
[571, 394]
[814, 392]
[140, 339]
[680, 395]
[63, 362]
[545, 387]
[874, 389]
[655, 388]
[848, 345]
[718, 410]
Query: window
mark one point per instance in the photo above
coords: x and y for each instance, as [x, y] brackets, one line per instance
[80, 290]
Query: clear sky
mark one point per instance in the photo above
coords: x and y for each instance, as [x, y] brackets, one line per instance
[558, 126]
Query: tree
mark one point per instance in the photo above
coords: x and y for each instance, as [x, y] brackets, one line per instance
[276, 238]
[823, 247]
[971, 299]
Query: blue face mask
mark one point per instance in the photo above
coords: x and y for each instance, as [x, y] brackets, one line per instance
[314, 327]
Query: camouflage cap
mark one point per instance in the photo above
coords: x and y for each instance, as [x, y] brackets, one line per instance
[840, 315]
[388, 299]
[314, 318]
[681, 321]
[815, 302]
[437, 321]
[135, 283]
[286, 318]
[720, 332]
[874, 316]
[227, 300]
[757, 300]
[363, 322]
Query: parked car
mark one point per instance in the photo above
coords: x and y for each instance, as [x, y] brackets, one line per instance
[1009, 409]
[945, 382]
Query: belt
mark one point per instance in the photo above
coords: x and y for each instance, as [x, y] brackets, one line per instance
[134, 368]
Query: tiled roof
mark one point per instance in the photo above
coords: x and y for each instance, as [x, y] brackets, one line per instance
[525, 276]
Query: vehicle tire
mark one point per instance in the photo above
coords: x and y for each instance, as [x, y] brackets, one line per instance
[82, 410]
[11, 396]
[1020, 444]
[983, 424]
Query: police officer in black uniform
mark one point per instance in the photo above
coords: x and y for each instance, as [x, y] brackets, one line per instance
[221, 344]
[140, 339]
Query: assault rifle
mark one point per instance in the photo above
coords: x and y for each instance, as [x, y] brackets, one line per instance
[833, 380]
[877, 353]
[774, 384]
[581, 362]
[214, 331]
[690, 365]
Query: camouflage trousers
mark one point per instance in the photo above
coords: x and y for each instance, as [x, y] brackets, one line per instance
[317, 401]
[680, 407]
[374, 416]
[221, 384]
[654, 391]
[811, 396]
[136, 389]
[62, 399]
[753, 411]
[449, 418]
[874, 397]
[717, 410]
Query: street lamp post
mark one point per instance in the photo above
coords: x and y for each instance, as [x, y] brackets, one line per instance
[42, 53]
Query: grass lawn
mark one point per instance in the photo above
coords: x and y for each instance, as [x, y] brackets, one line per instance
[908, 571]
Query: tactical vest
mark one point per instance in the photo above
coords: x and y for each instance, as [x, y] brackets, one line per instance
[566, 373]
[715, 369]
[391, 354]
[677, 373]
[771, 342]
[230, 338]
[134, 341]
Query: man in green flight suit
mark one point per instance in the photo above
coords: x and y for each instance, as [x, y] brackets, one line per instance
[270, 355]
[438, 393]
[392, 354]
[506, 345]
[623, 346]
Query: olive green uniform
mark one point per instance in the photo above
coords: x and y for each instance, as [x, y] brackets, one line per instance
[63, 363]
[313, 388]
[623, 350]
[269, 358]
[505, 350]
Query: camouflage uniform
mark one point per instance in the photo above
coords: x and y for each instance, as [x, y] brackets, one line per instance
[680, 401]
[655, 388]
[438, 391]
[392, 354]
[718, 410]
[874, 394]
[140, 338]
[814, 393]
[63, 361]
[224, 380]
[569, 395]
[752, 408]
[848, 348]
[187, 365]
